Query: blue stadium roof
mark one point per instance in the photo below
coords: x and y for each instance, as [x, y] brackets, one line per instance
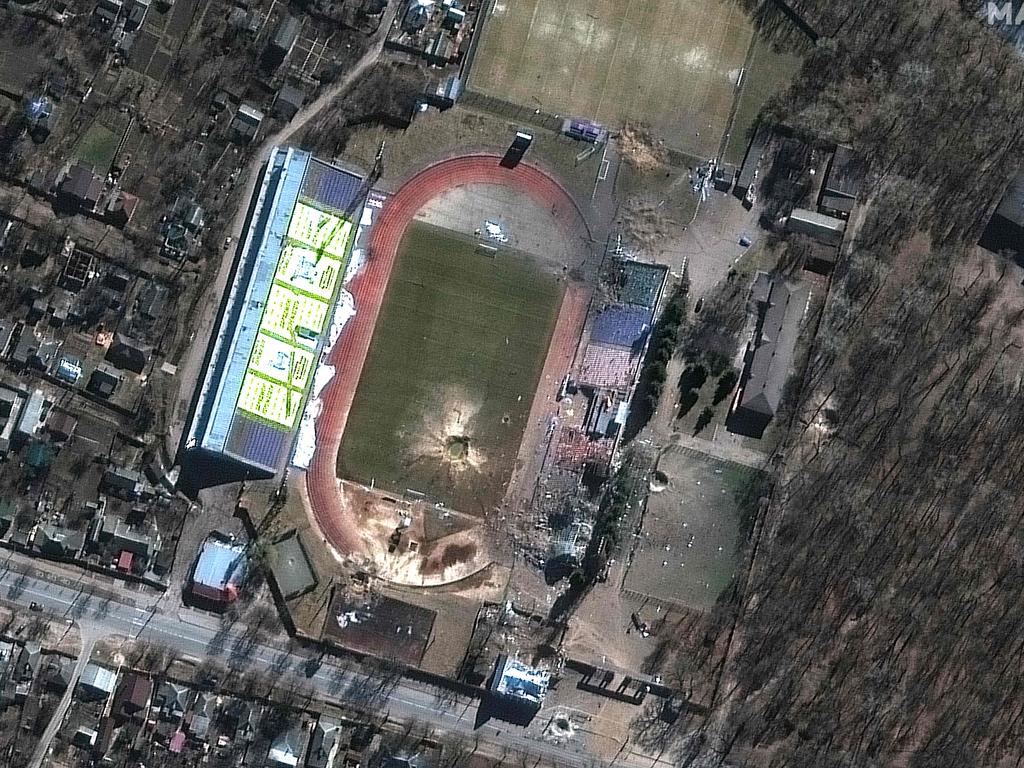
[623, 326]
[219, 427]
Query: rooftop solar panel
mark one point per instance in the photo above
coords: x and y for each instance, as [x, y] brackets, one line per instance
[331, 187]
[622, 326]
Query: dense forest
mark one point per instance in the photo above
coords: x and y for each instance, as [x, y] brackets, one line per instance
[880, 621]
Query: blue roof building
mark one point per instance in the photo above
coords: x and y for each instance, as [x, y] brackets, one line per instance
[622, 326]
[518, 684]
[275, 319]
[219, 570]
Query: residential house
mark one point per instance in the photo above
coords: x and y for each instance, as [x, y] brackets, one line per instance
[325, 742]
[120, 208]
[287, 748]
[201, 715]
[135, 15]
[129, 354]
[61, 425]
[104, 380]
[56, 673]
[246, 124]
[132, 697]
[288, 102]
[80, 188]
[170, 701]
[97, 681]
[123, 482]
[283, 39]
[143, 541]
[107, 12]
[58, 541]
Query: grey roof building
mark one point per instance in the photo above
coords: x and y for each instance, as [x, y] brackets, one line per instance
[752, 160]
[1005, 230]
[769, 358]
[288, 102]
[170, 700]
[81, 187]
[246, 123]
[104, 380]
[324, 743]
[285, 35]
[129, 354]
[11, 403]
[6, 334]
[286, 750]
[842, 183]
[97, 681]
[824, 229]
[55, 540]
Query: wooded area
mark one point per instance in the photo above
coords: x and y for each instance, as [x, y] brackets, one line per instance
[880, 622]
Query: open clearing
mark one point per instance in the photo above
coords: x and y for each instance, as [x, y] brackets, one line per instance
[451, 372]
[97, 147]
[672, 64]
[769, 73]
[686, 551]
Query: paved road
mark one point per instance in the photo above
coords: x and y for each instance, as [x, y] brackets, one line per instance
[194, 634]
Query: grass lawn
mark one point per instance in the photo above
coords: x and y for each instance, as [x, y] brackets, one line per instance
[770, 73]
[672, 64]
[436, 134]
[97, 147]
[451, 372]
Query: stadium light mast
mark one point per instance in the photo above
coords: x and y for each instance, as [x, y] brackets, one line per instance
[378, 164]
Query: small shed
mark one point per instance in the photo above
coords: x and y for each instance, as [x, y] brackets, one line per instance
[288, 102]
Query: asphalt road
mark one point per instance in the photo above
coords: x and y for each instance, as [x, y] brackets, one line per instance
[194, 634]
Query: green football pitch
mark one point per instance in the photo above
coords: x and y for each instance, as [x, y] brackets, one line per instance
[451, 372]
[672, 64]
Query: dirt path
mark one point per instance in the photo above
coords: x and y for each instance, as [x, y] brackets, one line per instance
[89, 638]
[190, 366]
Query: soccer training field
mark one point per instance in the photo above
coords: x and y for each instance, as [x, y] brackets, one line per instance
[451, 372]
[670, 63]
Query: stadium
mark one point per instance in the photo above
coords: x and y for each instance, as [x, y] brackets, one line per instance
[356, 395]
[365, 400]
[276, 318]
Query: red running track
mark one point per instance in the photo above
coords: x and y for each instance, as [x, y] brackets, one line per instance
[368, 288]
